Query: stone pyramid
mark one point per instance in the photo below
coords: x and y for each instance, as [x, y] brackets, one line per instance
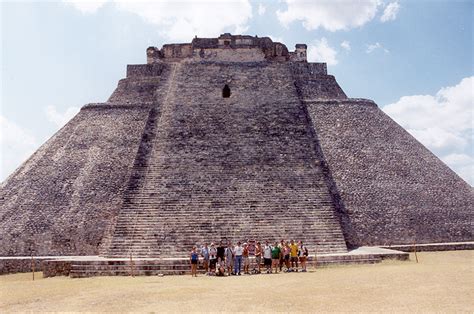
[229, 138]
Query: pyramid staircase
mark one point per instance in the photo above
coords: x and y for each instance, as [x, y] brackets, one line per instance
[253, 182]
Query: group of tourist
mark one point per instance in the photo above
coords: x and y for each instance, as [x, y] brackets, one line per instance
[227, 259]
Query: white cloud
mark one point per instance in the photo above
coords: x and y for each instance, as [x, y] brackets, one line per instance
[16, 144]
[439, 138]
[261, 9]
[377, 45]
[320, 51]
[443, 123]
[331, 15]
[60, 119]
[86, 6]
[390, 12]
[182, 20]
[346, 45]
[462, 164]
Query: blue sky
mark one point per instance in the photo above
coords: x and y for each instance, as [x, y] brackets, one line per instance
[414, 58]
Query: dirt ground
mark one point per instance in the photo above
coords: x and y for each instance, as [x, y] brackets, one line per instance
[440, 282]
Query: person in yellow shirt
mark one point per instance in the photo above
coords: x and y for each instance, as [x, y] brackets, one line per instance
[294, 255]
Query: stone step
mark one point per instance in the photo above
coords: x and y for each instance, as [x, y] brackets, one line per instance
[226, 219]
[183, 249]
[216, 231]
[226, 225]
[154, 204]
[200, 240]
[194, 241]
[232, 218]
[181, 267]
[143, 253]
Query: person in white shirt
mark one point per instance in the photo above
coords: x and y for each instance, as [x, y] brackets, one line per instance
[267, 256]
[238, 250]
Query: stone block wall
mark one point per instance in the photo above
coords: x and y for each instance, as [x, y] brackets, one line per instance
[312, 82]
[305, 70]
[145, 70]
[319, 87]
[391, 187]
[135, 90]
[202, 82]
[63, 198]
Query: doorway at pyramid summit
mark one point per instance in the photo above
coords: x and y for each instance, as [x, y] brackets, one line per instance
[226, 91]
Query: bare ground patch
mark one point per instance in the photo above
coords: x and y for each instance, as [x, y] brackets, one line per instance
[440, 282]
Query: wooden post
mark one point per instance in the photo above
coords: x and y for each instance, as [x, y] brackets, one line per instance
[414, 250]
[33, 266]
[131, 266]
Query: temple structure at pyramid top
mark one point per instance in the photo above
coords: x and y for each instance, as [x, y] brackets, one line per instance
[227, 47]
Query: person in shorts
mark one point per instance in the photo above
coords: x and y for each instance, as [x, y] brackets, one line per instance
[303, 251]
[246, 259]
[229, 258]
[267, 257]
[194, 258]
[220, 269]
[258, 256]
[212, 259]
[294, 256]
[276, 252]
[281, 245]
[286, 256]
[205, 257]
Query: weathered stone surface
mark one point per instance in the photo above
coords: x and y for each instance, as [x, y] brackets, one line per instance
[66, 194]
[392, 189]
[168, 162]
[234, 168]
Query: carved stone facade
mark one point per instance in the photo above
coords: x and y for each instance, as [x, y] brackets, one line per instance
[231, 48]
[168, 162]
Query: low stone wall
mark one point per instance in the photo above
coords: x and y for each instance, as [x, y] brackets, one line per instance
[19, 265]
[52, 268]
[430, 247]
